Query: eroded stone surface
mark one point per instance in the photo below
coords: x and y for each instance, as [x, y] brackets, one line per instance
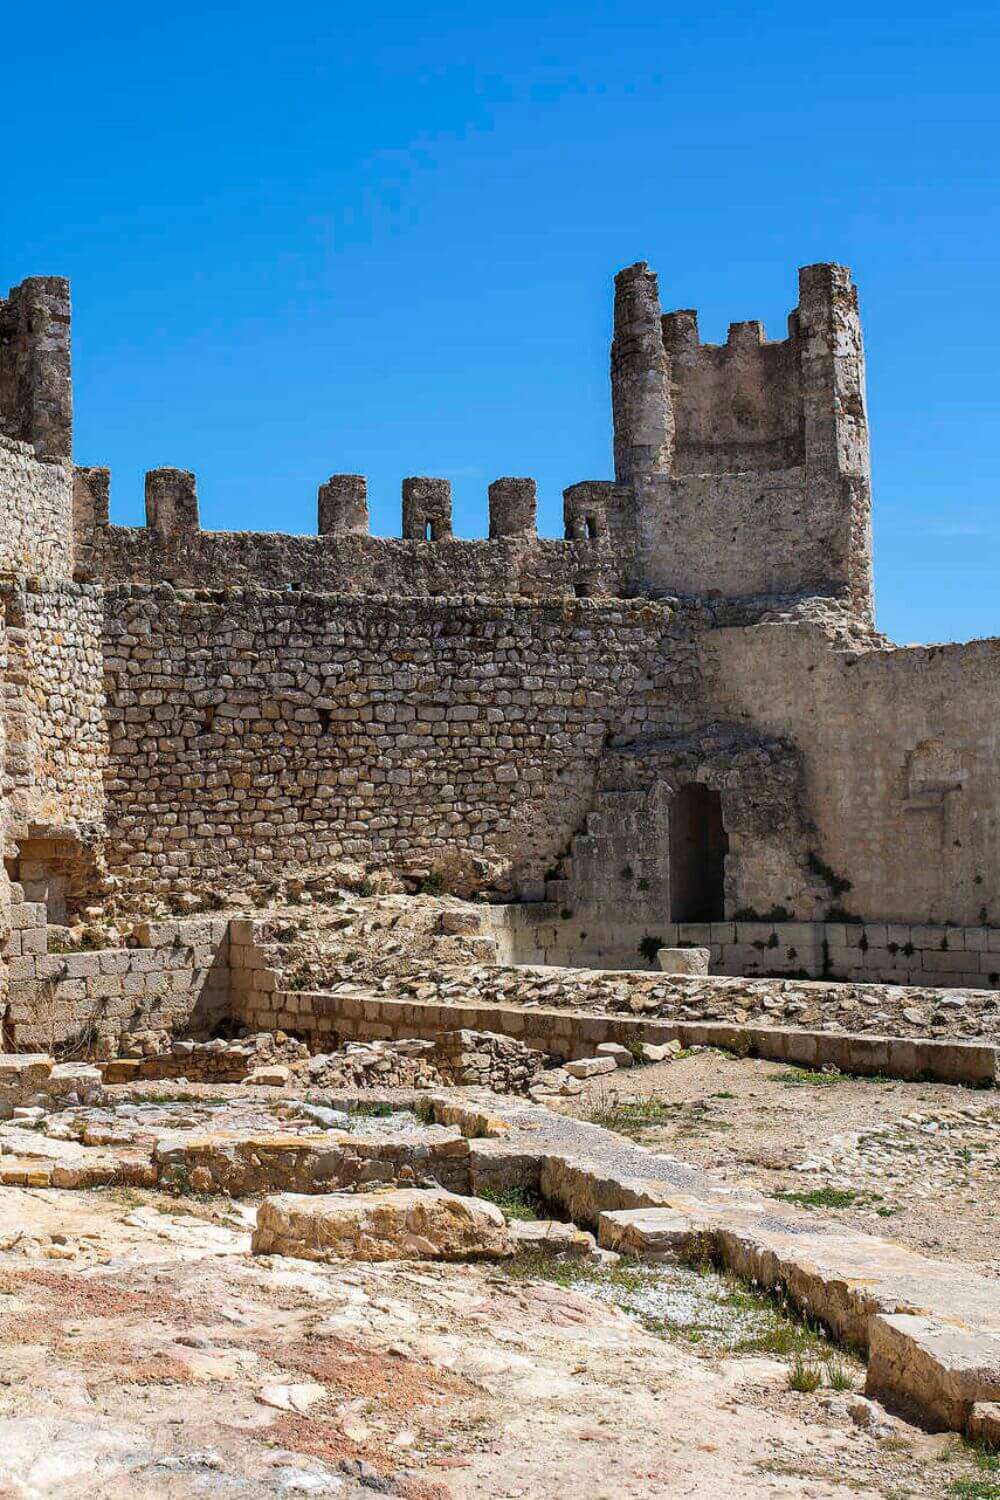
[399, 1225]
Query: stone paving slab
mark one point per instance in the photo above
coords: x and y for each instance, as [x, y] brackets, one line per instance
[931, 1327]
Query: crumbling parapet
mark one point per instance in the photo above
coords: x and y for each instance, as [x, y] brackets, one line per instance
[91, 501]
[36, 396]
[171, 502]
[513, 508]
[426, 509]
[640, 389]
[343, 506]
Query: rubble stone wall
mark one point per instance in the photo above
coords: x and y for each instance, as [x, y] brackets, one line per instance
[255, 733]
[54, 708]
[36, 512]
[177, 981]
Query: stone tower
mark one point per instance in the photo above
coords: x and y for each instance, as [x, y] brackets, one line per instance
[747, 461]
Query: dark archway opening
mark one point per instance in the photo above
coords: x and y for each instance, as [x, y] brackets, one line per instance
[698, 846]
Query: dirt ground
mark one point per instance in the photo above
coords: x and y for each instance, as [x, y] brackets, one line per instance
[145, 1352]
[917, 1163]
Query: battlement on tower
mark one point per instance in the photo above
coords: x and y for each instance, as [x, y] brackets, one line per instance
[741, 471]
[748, 460]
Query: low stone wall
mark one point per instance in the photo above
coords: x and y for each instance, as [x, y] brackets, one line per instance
[867, 952]
[330, 1019]
[176, 980]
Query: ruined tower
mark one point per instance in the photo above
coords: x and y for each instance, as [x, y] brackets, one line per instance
[747, 461]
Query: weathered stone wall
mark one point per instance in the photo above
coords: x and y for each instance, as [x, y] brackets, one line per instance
[748, 461]
[901, 953]
[36, 502]
[901, 764]
[36, 396]
[511, 565]
[177, 980]
[255, 733]
[54, 704]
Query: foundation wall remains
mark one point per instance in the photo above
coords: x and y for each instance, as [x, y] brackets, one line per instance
[903, 953]
[177, 980]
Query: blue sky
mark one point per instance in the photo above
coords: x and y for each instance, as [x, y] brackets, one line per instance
[312, 238]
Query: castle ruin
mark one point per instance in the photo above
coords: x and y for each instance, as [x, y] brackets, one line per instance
[677, 721]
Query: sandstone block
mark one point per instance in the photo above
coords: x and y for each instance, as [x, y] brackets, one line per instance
[408, 1224]
[622, 1056]
[551, 1237]
[590, 1067]
[654, 1052]
[683, 960]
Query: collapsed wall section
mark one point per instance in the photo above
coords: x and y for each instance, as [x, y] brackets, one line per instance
[253, 734]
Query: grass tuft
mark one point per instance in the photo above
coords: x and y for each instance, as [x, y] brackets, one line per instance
[631, 1116]
[804, 1376]
[800, 1078]
[514, 1203]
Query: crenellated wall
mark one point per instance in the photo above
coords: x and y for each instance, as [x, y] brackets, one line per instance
[215, 710]
[427, 561]
[748, 460]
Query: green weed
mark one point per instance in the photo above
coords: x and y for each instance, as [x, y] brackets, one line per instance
[804, 1376]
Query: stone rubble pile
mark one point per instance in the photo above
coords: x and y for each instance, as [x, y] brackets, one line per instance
[33, 1082]
[814, 1005]
[158, 1055]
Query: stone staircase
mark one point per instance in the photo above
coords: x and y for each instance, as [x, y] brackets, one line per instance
[618, 858]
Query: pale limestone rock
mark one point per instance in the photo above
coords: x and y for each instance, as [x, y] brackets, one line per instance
[298, 1397]
[683, 960]
[275, 1076]
[984, 1423]
[621, 1055]
[399, 1225]
[591, 1067]
[551, 1237]
[654, 1052]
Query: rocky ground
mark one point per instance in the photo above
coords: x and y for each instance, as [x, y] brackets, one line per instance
[147, 1353]
[917, 1162]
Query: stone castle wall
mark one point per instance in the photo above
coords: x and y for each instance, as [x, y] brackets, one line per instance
[36, 533]
[747, 461]
[508, 567]
[254, 733]
[216, 710]
[56, 753]
[901, 762]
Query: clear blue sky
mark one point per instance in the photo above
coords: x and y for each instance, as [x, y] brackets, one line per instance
[314, 238]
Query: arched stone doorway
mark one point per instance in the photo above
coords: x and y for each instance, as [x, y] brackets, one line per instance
[698, 846]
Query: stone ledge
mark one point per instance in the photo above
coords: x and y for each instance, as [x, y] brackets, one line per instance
[572, 1033]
